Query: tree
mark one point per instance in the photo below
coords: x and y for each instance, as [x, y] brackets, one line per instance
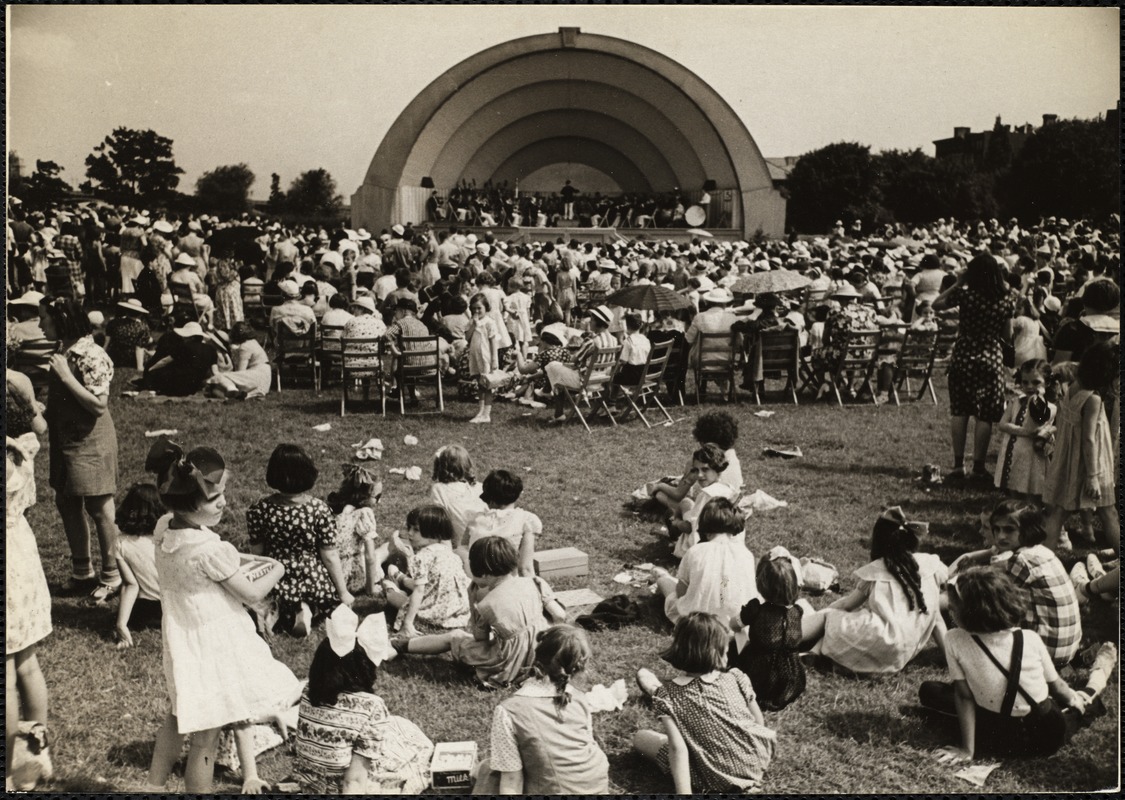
[277, 199]
[836, 181]
[131, 165]
[998, 152]
[225, 189]
[313, 194]
[43, 186]
[1068, 168]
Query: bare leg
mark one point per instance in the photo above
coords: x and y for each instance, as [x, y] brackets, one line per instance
[430, 645]
[199, 775]
[1111, 526]
[982, 435]
[101, 510]
[32, 686]
[648, 743]
[812, 627]
[165, 753]
[959, 428]
[77, 534]
[11, 714]
[1053, 525]
[666, 585]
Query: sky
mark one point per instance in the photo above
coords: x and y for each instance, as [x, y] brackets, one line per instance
[289, 88]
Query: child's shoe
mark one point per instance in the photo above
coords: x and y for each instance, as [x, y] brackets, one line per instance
[31, 756]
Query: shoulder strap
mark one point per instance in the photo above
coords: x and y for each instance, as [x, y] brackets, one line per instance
[1013, 676]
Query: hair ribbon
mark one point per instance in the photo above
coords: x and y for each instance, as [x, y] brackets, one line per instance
[345, 631]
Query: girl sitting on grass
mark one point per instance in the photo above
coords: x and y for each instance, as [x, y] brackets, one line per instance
[501, 492]
[139, 605]
[888, 618]
[436, 589]
[503, 624]
[455, 489]
[347, 740]
[219, 671]
[715, 427]
[298, 530]
[354, 505]
[708, 462]
[1005, 691]
[715, 739]
[542, 740]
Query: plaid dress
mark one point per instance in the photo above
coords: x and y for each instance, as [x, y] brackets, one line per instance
[1053, 612]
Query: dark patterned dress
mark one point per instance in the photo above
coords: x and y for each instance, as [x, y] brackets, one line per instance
[770, 657]
[294, 535]
[126, 334]
[976, 370]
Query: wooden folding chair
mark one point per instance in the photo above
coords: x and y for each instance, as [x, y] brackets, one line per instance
[779, 355]
[593, 390]
[860, 350]
[361, 361]
[252, 305]
[417, 362]
[916, 358]
[295, 352]
[183, 302]
[714, 358]
[328, 347]
[946, 338]
[675, 374]
[651, 380]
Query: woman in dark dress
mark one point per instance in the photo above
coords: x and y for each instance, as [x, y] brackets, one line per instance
[128, 334]
[976, 369]
[182, 361]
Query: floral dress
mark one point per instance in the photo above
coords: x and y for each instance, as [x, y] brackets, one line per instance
[354, 528]
[359, 723]
[852, 317]
[27, 601]
[228, 294]
[439, 574]
[83, 446]
[511, 616]
[295, 535]
[125, 335]
[976, 369]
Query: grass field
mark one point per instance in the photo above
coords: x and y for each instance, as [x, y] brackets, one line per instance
[845, 734]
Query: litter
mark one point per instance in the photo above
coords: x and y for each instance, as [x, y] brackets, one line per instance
[623, 577]
[976, 774]
[371, 449]
[783, 451]
[819, 576]
[326, 426]
[764, 414]
[414, 473]
[760, 501]
[165, 432]
[600, 698]
[410, 440]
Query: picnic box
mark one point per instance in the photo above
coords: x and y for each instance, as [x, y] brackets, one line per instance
[451, 770]
[562, 562]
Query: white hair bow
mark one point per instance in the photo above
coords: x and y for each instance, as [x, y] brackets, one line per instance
[345, 631]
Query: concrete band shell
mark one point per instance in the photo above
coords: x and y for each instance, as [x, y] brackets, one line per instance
[615, 106]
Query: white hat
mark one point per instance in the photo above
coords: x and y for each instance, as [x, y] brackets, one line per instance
[189, 329]
[160, 226]
[132, 304]
[365, 302]
[602, 314]
[847, 290]
[483, 248]
[289, 288]
[718, 296]
[139, 220]
[1052, 304]
[362, 235]
[558, 330]
[184, 260]
[31, 298]
[195, 226]
[398, 229]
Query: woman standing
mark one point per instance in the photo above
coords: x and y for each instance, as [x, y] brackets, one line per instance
[228, 293]
[976, 371]
[83, 443]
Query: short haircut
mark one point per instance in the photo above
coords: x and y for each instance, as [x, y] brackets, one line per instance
[241, 332]
[711, 455]
[290, 470]
[365, 280]
[452, 463]
[432, 522]
[68, 317]
[720, 515]
[492, 556]
[1099, 366]
[1101, 296]
[480, 299]
[139, 511]
[402, 277]
[458, 304]
[987, 600]
[501, 488]
[777, 581]
[699, 643]
[633, 322]
[339, 300]
[718, 427]
[310, 289]
[1029, 518]
[331, 675]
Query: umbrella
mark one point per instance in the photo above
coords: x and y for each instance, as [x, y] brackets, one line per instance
[778, 280]
[648, 297]
[237, 241]
[700, 232]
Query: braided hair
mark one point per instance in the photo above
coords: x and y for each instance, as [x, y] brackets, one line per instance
[895, 543]
[561, 653]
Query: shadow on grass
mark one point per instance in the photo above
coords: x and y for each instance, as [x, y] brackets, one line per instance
[79, 786]
[439, 670]
[863, 727]
[79, 616]
[136, 754]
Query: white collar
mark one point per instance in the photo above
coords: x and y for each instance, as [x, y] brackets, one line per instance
[540, 687]
[684, 680]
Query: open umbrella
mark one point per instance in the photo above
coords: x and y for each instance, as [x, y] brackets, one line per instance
[777, 280]
[648, 297]
[700, 232]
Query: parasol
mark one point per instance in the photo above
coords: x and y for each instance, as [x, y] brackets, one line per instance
[778, 280]
[700, 232]
[648, 297]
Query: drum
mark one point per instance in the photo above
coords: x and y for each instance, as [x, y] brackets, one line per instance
[695, 216]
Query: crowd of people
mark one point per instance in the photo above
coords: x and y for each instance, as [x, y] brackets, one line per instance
[462, 582]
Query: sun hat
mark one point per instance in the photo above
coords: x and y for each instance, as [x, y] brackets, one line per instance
[718, 296]
[133, 305]
[602, 314]
[847, 290]
[160, 226]
[139, 220]
[1052, 304]
[397, 229]
[364, 302]
[184, 260]
[289, 288]
[29, 298]
[557, 331]
[362, 235]
[189, 330]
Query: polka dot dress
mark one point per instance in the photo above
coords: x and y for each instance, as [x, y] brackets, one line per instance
[976, 370]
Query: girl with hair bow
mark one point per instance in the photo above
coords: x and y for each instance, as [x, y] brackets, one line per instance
[347, 740]
[889, 617]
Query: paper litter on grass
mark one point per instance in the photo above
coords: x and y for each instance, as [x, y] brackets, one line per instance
[760, 501]
[324, 426]
[764, 414]
[413, 473]
[600, 698]
[976, 774]
[575, 598]
[783, 450]
[164, 432]
[623, 577]
[410, 440]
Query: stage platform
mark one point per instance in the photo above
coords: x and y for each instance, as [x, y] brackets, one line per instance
[520, 235]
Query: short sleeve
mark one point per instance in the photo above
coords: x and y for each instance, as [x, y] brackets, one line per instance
[420, 566]
[532, 524]
[744, 685]
[750, 610]
[218, 560]
[369, 742]
[661, 704]
[324, 526]
[504, 750]
[953, 641]
[1034, 642]
[95, 371]
[365, 527]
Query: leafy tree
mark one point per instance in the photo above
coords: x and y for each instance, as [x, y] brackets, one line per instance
[277, 199]
[1068, 168]
[131, 165]
[314, 194]
[998, 153]
[44, 185]
[836, 181]
[225, 189]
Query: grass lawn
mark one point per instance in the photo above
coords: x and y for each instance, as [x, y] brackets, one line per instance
[846, 734]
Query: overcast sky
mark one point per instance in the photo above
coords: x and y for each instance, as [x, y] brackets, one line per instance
[285, 89]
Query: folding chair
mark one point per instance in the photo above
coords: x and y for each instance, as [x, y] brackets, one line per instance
[252, 304]
[650, 381]
[596, 377]
[675, 374]
[714, 359]
[860, 349]
[943, 348]
[328, 349]
[779, 356]
[916, 358]
[417, 361]
[183, 302]
[296, 351]
[361, 361]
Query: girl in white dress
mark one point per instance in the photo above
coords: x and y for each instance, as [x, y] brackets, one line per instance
[455, 489]
[217, 669]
